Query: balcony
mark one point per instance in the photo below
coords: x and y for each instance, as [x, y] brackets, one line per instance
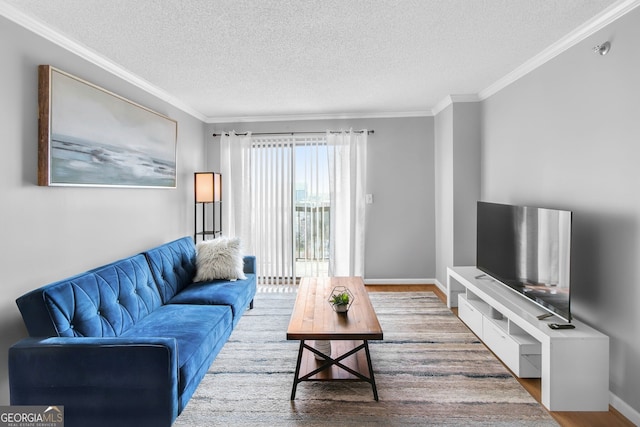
[311, 238]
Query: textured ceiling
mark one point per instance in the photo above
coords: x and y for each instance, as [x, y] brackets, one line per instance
[243, 59]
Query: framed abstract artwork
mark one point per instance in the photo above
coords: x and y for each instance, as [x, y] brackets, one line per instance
[88, 136]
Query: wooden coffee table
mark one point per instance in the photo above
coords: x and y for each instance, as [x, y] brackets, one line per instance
[313, 318]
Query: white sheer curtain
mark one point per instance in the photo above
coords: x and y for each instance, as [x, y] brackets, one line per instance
[347, 177]
[237, 206]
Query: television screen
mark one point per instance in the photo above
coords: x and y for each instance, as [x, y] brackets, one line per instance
[529, 250]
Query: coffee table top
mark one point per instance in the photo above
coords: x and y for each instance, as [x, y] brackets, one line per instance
[313, 318]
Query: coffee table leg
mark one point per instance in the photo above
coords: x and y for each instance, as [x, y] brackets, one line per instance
[297, 374]
[373, 380]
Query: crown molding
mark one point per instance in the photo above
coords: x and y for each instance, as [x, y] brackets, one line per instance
[36, 26]
[595, 24]
[450, 99]
[590, 27]
[299, 117]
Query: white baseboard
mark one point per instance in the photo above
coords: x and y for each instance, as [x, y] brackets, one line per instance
[626, 410]
[368, 281]
[423, 281]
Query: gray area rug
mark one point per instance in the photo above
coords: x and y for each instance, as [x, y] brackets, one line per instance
[429, 369]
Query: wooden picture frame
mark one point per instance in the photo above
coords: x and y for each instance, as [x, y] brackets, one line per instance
[91, 137]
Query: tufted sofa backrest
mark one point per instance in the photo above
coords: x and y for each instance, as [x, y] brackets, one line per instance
[103, 302]
[173, 265]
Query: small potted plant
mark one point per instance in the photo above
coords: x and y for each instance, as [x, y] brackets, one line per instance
[341, 299]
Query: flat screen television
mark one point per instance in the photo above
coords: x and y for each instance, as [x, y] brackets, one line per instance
[528, 249]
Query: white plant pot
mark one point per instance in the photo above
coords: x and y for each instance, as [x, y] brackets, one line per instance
[324, 347]
[341, 308]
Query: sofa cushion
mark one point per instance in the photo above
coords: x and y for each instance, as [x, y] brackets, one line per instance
[219, 258]
[103, 302]
[200, 332]
[173, 265]
[237, 294]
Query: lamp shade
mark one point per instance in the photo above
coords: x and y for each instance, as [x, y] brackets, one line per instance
[207, 187]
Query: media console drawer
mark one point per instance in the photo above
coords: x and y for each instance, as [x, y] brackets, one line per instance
[470, 315]
[520, 353]
[500, 343]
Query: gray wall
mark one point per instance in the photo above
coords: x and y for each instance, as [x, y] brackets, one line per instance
[400, 231]
[457, 151]
[444, 192]
[48, 233]
[567, 136]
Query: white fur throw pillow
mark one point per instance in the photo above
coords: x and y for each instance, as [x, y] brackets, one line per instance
[220, 258]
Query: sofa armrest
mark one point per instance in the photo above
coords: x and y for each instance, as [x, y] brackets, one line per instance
[99, 381]
[249, 264]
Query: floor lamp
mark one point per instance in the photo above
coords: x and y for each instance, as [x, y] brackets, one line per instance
[207, 191]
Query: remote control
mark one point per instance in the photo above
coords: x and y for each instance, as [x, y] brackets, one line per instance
[544, 316]
[561, 326]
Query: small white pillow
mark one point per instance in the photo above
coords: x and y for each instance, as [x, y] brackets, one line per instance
[220, 258]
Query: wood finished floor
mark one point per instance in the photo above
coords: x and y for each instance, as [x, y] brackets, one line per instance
[612, 418]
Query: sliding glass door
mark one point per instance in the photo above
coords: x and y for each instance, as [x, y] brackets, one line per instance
[291, 203]
[311, 208]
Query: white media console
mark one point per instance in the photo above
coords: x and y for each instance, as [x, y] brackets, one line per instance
[573, 364]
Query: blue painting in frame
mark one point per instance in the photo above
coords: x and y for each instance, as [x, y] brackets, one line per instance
[89, 136]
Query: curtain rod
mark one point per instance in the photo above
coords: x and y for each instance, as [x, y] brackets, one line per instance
[369, 132]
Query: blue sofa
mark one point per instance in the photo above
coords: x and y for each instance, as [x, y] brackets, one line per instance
[126, 344]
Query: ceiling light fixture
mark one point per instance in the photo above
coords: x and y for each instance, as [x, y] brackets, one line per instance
[602, 49]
